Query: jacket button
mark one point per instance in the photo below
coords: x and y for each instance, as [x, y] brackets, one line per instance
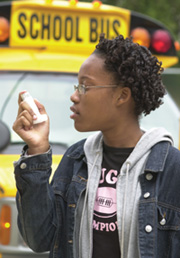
[163, 222]
[149, 176]
[146, 195]
[23, 165]
[148, 228]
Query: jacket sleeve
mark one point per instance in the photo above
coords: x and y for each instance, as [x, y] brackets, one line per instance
[36, 201]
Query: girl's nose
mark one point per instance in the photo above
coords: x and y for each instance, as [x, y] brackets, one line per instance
[75, 97]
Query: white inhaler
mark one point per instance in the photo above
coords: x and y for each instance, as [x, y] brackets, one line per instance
[30, 101]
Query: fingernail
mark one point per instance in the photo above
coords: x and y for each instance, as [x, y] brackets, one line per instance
[34, 117]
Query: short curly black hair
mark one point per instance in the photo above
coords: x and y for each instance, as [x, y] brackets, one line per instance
[135, 67]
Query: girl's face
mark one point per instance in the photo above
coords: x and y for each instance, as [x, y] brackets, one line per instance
[95, 110]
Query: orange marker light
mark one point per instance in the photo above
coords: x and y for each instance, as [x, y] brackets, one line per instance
[5, 225]
[141, 36]
[177, 45]
[96, 3]
[73, 2]
[4, 29]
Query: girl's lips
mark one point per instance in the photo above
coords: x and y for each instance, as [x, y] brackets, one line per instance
[75, 112]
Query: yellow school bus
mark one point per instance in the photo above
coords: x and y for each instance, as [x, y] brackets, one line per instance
[42, 46]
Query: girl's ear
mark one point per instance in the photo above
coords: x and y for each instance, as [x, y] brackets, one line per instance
[124, 95]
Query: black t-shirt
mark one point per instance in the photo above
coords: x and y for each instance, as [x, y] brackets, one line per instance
[105, 233]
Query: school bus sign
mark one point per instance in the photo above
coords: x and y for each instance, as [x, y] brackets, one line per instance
[46, 26]
[62, 28]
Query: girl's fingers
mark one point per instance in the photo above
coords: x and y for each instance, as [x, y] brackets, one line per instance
[40, 107]
[27, 116]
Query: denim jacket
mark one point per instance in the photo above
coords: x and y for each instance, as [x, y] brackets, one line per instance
[47, 212]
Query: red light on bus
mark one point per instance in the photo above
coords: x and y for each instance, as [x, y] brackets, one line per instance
[4, 29]
[141, 36]
[161, 41]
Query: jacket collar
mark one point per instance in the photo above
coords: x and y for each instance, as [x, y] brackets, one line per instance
[155, 162]
[78, 152]
[157, 157]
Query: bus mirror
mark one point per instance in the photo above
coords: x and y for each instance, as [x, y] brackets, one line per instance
[4, 135]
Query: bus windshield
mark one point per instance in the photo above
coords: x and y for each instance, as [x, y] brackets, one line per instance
[52, 90]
